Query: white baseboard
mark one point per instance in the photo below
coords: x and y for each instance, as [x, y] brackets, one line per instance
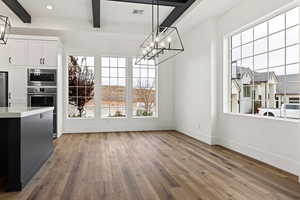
[203, 137]
[270, 158]
[116, 130]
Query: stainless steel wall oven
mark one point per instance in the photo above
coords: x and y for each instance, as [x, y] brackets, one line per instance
[41, 77]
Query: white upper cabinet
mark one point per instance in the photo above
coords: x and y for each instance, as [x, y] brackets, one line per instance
[43, 53]
[18, 52]
[14, 53]
[50, 54]
[3, 56]
[35, 53]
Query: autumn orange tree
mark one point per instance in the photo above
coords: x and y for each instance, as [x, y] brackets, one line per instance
[81, 84]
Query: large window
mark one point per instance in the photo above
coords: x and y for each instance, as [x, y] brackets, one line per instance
[144, 89]
[113, 86]
[81, 87]
[265, 68]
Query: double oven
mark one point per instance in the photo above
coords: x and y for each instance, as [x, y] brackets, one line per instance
[42, 91]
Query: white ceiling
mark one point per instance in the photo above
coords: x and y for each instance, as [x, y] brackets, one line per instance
[78, 13]
[116, 17]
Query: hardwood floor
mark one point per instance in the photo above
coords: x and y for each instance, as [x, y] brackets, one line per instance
[152, 165]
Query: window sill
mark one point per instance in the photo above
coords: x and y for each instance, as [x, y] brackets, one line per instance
[78, 118]
[112, 118]
[262, 117]
[144, 117]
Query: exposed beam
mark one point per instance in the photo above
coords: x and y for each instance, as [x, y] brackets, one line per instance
[96, 13]
[176, 13]
[18, 9]
[173, 3]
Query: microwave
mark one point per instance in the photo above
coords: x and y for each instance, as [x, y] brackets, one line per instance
[41, 77]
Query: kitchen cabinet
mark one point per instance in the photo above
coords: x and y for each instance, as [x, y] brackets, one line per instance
[26, 144]
[17, 82]
[14, 53]
[3, 56]
[18, 52]
[43, 53]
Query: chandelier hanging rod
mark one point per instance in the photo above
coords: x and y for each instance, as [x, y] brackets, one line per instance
[161, 44]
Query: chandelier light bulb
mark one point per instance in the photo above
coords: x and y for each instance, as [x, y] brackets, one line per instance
[1, 29]
[158, 44]
[49, 7]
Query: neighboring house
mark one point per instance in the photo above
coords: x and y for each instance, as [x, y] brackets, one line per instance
[292, 91]
[264, 90]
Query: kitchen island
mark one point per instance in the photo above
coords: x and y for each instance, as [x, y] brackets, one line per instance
[25, 143]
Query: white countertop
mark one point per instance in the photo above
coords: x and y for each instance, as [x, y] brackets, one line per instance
[18, 112]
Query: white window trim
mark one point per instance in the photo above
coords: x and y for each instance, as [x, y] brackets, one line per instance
[227, 62]
[156, 94]
[128, 73]
[98, 75]
[66, 90]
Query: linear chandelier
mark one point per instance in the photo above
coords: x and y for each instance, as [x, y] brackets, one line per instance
[162, 44]
[5, 28]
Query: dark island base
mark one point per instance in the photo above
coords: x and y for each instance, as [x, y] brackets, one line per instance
[25, 144]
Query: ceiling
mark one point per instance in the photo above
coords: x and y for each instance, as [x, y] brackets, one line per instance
[78, 13]
[116, 17]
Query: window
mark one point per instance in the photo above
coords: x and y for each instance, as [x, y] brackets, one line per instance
[265, 60]
[81, 71]
[291, 107]
[247, 91]
[144, 89]
[295, 100]
[113, 86]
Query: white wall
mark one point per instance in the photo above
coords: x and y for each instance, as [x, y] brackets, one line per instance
[272, 141]
[193, 89]
[97, 44]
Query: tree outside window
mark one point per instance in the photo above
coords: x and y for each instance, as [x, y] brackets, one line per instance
[81, 87]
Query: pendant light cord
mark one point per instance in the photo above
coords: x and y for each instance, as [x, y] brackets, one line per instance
[152, 20]
[157, 31]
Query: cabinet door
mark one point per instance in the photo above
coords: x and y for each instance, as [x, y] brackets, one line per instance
[17, 81]
[35, 50]
[18, 52]
[50, 53]
[4, 56]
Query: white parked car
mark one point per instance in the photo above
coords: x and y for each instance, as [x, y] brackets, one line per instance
[286, 110]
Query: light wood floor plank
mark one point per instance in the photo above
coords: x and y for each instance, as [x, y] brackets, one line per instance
[152, 166]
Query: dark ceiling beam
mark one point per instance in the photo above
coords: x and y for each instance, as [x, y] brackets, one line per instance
[96, 13]
[176, 13]
[173, 3]
[18, 9]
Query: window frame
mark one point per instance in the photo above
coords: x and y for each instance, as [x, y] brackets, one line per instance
[127, 94]
[227, 57]
[156, 93]
[97, 87]
[66, 96]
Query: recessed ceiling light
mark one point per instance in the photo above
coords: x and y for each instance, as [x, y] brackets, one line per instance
[49, 7]
[137, 12]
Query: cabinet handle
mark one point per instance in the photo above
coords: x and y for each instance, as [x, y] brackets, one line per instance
[40, 60]
[43, 61]
[9, 60]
